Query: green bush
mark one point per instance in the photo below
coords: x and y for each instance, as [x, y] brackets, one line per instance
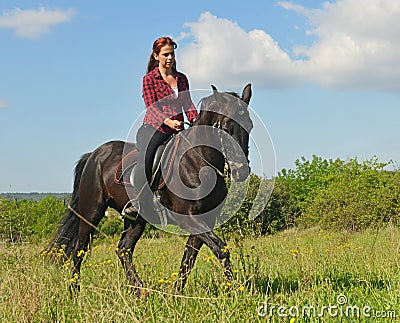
[111, 224]
[237, 207]
[280, 212]
[30, 219]
[272, 217]
[308, 178]
[334, 194]
[362, 196]
[340, 194]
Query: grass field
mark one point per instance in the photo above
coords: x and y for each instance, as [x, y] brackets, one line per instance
[304, 276]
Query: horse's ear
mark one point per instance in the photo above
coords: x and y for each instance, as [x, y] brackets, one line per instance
[217, 94]
[246, 94]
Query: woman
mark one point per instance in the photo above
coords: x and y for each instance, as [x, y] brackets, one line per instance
[166, 95]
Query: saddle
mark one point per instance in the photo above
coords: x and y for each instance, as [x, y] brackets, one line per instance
[162, 164]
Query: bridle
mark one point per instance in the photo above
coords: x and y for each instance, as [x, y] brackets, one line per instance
[225, 151]
[200, 155]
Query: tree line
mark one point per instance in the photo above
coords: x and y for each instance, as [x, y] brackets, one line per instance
[332, 194]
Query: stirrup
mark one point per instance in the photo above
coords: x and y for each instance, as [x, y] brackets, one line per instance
[160, 209]
[127, 211]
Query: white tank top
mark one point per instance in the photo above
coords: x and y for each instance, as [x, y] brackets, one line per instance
[175, 89]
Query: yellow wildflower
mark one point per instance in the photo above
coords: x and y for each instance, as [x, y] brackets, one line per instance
[226, 285]
[74, 279]
[208, 259]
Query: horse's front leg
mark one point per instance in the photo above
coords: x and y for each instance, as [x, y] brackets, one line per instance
[133, 229]
[220, 250]
[192, 249]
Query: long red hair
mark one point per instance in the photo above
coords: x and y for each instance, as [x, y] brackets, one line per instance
[157, 45]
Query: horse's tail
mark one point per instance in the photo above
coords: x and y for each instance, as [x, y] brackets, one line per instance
[66, 236]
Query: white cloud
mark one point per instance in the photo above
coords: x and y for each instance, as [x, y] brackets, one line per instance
[4, 104]
[297, 8]
[357, 46]
[225, 54]
[33, 23]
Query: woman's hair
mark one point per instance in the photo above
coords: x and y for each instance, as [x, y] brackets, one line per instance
[157, 45]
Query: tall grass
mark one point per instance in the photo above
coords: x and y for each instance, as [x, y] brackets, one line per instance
[286, 272]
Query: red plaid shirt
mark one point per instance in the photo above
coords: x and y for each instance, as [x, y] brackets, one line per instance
[154, 89]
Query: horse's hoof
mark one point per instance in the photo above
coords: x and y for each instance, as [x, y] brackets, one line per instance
[179, 285]
[74, 289]
[145, 293]
[140, 291]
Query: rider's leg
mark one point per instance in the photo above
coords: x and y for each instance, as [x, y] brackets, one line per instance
[148, 139]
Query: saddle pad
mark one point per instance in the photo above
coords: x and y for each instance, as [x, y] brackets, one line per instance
[123, 171]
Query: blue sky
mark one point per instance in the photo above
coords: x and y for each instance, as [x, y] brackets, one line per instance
[325, 75]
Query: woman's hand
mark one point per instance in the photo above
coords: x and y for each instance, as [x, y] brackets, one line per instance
[174, 124]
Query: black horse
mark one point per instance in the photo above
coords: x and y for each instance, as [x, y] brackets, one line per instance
[95, 189]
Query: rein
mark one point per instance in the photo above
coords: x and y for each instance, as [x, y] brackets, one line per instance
[85, 220]
[205, 160]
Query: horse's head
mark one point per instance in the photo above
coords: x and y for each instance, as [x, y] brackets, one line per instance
[230, 113]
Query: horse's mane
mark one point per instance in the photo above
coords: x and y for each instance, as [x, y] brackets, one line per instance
[204, 113]
[233, 93]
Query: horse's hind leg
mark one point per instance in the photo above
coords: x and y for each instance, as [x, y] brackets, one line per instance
[79, 253]
[86, 229]
[192, 249]
[133, 230]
